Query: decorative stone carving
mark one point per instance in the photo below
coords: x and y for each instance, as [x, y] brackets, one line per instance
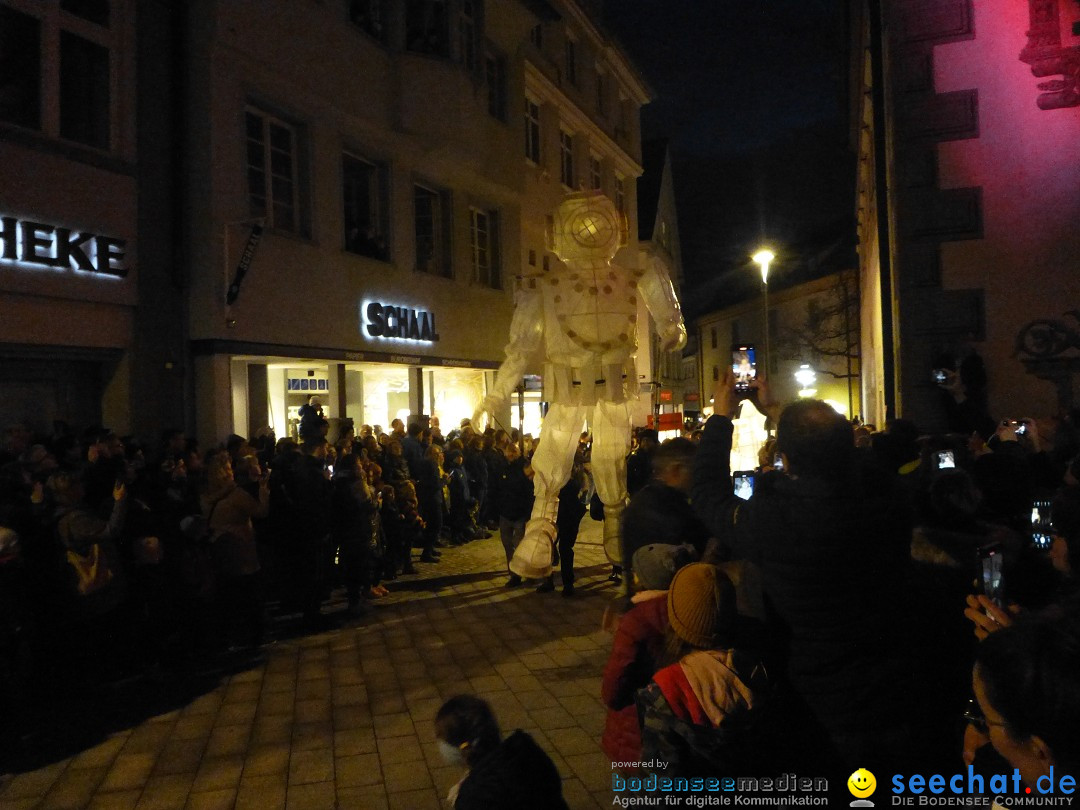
[1048, 55]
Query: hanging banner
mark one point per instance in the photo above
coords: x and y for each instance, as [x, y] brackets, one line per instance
[244, 264]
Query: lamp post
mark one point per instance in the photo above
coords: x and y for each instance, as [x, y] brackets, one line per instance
[764, 258]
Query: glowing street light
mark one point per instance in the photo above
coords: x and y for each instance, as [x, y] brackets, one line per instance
[764, 257]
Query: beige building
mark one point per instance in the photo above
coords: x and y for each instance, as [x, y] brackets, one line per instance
[967, 124]
[364, 195]
[813, 328]
[69, 248]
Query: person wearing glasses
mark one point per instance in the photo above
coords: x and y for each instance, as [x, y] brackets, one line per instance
[1027, 693]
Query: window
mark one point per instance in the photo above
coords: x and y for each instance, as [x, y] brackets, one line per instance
[364, 191]
[566, 158]
[467, 31]
[713, 333]
[716, 373]
[595, 176]
[57, 70]
[369, 16]
[95, 11]
[484, 241]
[536, 36]
[532, 130]
[273, 188]
[495, 78]
[571, 61]
[426, 27]
[432, 229]
[20, 69]
[620, 194]
[601, 101]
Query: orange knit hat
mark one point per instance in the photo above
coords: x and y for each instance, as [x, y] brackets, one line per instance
[701, 605]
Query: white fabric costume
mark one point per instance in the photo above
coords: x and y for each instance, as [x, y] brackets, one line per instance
[583, 316]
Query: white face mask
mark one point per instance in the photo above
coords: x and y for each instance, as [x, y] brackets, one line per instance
[451, 754]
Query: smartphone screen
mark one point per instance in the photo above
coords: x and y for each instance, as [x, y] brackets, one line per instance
[744, 484]
[990, 582]
[1040, 524]
[743, 366]
[946, 460]
[778, 462]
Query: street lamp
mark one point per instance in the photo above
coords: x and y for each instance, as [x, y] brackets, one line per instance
[764, 258]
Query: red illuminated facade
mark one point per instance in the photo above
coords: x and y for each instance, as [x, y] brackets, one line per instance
[967, 126]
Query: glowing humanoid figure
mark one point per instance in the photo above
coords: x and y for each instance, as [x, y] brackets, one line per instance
[583, 317]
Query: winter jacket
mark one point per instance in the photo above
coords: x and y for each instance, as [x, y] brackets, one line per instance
[639, 642]
[517, 774]
[515, 492]
[833, 556]
[700, 716]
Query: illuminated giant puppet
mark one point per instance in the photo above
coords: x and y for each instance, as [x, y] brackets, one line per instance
[583, 317]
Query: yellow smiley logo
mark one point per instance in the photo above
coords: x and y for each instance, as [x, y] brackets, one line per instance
[861, 783]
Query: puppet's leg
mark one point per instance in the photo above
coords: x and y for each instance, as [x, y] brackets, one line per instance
[551, 464]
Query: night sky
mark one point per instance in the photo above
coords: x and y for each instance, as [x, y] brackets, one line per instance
[752, 97]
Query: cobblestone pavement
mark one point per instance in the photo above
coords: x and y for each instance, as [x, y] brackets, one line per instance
[344, 718]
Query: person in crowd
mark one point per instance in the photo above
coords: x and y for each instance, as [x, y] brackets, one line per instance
[477, 470]
[413, 449]
[514, 772]
[352, 507]
[1027, 686]
[659, 518]
[567, 523]
[515, 505]
[496, 463]
[307, 515]
[832, 548]
[639, 464]
[703, 713]
[313, 423]
[228, 510]
[461, 500]
[635, 655]
[431, 494]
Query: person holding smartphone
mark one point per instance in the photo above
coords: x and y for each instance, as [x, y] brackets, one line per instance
[833, 594]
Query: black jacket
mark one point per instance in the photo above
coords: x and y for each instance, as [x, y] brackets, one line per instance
[517, 774]
[833, 557]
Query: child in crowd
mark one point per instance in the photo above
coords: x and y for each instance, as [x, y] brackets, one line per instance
[514, 772]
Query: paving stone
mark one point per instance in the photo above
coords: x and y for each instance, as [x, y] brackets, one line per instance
[261, 793]
[358, 770]
[311, 766]
[166, 792]
[311, 796]
[212, 800]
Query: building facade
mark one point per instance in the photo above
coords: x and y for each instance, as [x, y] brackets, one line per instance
[813, 327]
[365, 196]
[69, 248]
[967, 119]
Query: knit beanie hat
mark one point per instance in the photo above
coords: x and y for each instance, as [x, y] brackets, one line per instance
[701, 605]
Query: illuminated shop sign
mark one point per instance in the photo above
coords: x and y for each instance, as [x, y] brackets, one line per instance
[401, 323]
[37, 244]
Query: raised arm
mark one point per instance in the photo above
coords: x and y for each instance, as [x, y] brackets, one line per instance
[526, 336]
[659, 296]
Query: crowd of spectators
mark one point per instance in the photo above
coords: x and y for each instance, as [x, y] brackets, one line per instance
[832, 620]
[884, 599]
[120, 559]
